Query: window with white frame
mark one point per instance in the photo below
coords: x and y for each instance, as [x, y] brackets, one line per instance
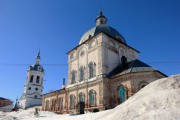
[82, 73]
[81, 97]
[72, 102]
[92, 98]
[92, 70]
[60, 103]
[73, 77]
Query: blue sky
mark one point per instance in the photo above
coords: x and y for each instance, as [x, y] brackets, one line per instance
[56, 26]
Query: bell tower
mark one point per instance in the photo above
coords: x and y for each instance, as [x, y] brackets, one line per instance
[33, 88]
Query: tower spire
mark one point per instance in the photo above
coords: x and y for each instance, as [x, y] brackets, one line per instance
[63, 85]
[38, 57]
[101, 19]
[100, 12]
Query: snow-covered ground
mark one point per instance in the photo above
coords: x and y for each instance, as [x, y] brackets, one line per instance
[160, 100]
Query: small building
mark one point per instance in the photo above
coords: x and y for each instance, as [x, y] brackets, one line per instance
[6, 105]
[103, 72]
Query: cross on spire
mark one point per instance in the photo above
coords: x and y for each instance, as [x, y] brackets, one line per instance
[38, 57]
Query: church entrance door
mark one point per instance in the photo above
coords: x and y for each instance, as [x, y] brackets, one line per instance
[81, 106]
[122, 94]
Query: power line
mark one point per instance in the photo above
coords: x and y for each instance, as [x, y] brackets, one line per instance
[65, 64]
[165, 62]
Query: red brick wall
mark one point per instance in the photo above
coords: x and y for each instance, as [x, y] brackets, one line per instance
[5, 102]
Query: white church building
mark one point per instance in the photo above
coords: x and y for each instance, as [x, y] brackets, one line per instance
[32, 94]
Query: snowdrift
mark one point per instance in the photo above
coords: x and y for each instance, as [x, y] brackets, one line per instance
[160, 100]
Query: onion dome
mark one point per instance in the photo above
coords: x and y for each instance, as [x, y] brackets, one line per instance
[37, 66]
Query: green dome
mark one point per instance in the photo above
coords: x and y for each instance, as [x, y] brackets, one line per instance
[101, 26]
[105, 29]
[36, 68]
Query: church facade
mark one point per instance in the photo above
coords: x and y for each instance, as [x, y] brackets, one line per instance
[103, 72]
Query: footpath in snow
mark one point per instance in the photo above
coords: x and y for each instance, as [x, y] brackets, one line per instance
[160, 100]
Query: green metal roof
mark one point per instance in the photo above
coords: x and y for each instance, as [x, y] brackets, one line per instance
[35, 68]
[105, 29]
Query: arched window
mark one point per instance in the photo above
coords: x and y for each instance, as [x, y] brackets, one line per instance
[60, 103]
[82, 74]
[37, 79]
[122, 94]
[72, 102]
[92, 70]
[35, 96]
[124, 61]
[71, 56]
[47, 105]
[82, 53]
[73, 77]
[31, 79]
[142, 84]
[53, 104]
[81, 97]
[92, 98]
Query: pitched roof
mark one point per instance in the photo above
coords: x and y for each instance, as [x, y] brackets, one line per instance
[1, 98]
[134, 66]
[4, 99]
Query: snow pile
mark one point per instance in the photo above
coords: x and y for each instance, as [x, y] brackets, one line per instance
[4, 116]
[160, 100]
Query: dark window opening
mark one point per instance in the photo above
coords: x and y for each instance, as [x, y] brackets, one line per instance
[31, 79]
[37, 79]
[143, 86]
[124, 61]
